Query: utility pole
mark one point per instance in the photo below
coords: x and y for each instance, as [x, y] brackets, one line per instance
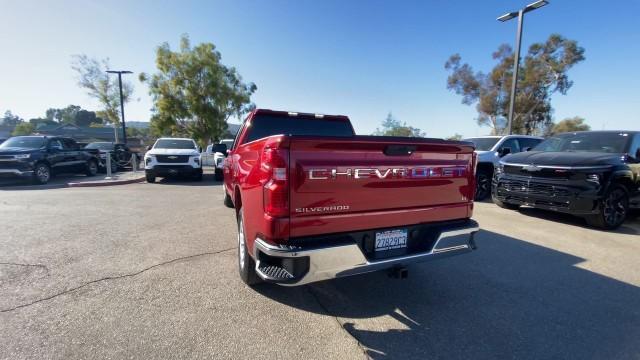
[124, 125]
[516, 60]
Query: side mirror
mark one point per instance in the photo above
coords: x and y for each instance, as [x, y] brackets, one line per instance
[504, 151]
[149, 147]
[527, 149]
[219, 148]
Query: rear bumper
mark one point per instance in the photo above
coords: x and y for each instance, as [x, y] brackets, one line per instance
[301, 265]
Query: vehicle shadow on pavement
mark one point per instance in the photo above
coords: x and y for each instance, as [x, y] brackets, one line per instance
[58, 181]
[207, 180]
[631, 226]
[509, 299]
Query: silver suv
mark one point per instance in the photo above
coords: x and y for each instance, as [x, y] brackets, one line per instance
[490, 150]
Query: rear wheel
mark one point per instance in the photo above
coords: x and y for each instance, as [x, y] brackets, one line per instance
[246, 264]
[483, 185]
[614, 208]
[150, 178]
[505, 205]
[41, 174]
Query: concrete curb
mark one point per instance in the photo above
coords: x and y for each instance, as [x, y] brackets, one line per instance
[107, 182]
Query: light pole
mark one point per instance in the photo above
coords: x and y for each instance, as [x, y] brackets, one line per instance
[516, 60]
[124, 125]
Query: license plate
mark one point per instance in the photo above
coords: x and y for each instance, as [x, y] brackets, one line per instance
[391, 239]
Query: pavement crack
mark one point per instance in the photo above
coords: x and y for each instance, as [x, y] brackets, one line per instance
[39, 266]
[337, 320]
[115, 277]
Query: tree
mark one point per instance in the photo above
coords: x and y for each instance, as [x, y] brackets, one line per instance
[72, 114]
[456, 137]
[86, 118]
[393, 127]
[543, 72]
[93, 77]
[194, 94]
[23, 128]
[9, 119]
[575, 123]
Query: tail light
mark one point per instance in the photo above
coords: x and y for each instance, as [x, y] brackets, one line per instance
[472, 177]
[274, 166]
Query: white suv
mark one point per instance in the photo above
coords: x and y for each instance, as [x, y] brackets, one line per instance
[173, 157]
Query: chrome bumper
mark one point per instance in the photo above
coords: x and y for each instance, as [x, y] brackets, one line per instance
[345, 260]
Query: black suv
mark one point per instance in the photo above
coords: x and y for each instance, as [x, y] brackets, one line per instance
[594, 174]
[39, 157]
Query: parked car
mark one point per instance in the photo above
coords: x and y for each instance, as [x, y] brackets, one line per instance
[321, 202]
[121, 154]
[39, 157]
[173, 157]
[215, 154]
[593, 174]
[490, 150]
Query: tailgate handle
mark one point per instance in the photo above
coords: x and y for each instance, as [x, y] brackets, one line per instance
[399, 150]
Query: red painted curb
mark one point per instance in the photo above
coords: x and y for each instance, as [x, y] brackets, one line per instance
[109, 183]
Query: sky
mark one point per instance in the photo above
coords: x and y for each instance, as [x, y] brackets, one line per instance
[358, 58]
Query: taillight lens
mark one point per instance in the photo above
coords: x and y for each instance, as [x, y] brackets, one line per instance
[276, 188]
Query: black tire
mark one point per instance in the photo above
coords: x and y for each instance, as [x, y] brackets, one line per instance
[505, 205]
[91, 168]
[41, 174]
[246, 264]
[483, 185]
[150, 178]
[227, 199]
[198, 176]
[219, 175]
[614, 208]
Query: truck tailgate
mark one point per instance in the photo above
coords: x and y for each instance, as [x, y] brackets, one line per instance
[368, 182]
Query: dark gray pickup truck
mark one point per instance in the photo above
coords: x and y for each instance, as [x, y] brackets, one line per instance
[37, 158]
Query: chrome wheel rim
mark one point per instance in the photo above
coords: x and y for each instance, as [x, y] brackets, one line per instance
[241, 243]
[42, 172]
[615, 207]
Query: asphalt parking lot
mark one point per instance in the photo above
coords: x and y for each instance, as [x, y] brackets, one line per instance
[149, 271]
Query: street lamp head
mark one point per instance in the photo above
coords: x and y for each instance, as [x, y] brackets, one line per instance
[507, 16]
[119, 72]
[536, 5]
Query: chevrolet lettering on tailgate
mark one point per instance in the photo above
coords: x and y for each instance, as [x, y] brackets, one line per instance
[421, 172]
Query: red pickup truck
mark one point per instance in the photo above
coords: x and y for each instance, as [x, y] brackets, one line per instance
[314, 201]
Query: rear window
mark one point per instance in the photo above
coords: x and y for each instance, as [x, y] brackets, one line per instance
[268, 125]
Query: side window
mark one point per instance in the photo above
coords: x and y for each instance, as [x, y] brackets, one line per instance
[634, 149]
[511, 143]
[528, 143]
[68, 144]
[55, 144]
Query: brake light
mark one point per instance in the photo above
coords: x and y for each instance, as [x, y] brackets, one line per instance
[276, 186]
